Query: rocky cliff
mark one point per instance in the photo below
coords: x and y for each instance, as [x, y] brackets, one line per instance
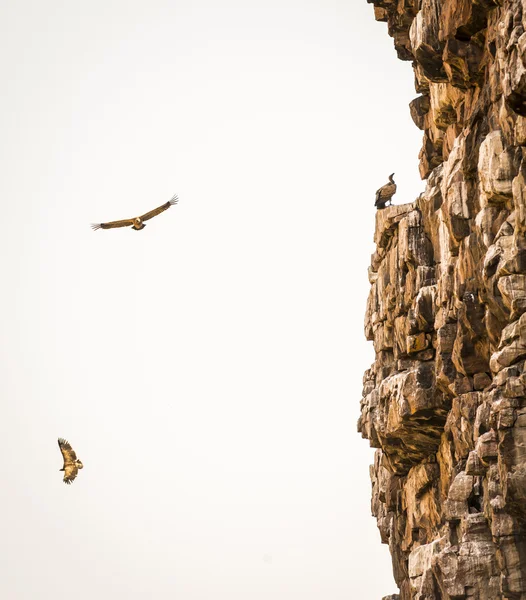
[445, 401]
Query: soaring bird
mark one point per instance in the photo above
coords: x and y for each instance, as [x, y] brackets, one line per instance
[385, 193]
[71, 463]
[138, 222]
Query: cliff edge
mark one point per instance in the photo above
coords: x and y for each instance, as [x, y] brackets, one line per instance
[445, 401]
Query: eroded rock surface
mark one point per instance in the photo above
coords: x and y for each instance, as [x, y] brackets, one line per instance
[445, 401]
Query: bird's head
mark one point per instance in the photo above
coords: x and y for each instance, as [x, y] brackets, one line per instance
[79, 464]
[137, 222]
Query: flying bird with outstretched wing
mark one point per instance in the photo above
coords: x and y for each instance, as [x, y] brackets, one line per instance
[138, 222]
[71, 463]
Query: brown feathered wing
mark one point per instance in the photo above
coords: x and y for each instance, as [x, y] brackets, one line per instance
[159, 210]
[70, 467]
[112, 224]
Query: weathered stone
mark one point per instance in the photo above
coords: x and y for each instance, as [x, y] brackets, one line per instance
[481, 420]
[415, 343]
[461, 385]
[495, 169]
[387, 221]
[420, 559]
[487, 447]
[510, 354]
[461, 488]
[445, 401]
[474, 466]
[505, 418]
[419, 107]
[425, 44]
[513, 291]
[481, 381]
[462, 62]
[515, 387]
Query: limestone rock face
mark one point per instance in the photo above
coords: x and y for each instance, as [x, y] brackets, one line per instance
[445, 401]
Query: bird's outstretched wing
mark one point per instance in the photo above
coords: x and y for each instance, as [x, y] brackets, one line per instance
[70, 473]
[67, 451]
[112, 224]
[160, 209]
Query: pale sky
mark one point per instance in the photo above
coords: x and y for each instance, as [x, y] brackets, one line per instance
[208, 369]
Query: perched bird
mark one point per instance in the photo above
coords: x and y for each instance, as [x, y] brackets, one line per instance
[138, 222]
[71, 463]
[385, 193]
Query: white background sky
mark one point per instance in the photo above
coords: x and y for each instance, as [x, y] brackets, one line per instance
[207, 369]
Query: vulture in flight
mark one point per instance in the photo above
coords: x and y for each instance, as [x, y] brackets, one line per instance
[71, 463]
[138, 222]
[385, 193]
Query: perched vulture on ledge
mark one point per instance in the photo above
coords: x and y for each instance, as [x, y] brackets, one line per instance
[138, 222]
[385, 193]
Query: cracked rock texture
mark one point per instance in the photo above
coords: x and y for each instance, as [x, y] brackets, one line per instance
[445, 401]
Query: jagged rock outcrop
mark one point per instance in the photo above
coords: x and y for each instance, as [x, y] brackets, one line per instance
[445, 401]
